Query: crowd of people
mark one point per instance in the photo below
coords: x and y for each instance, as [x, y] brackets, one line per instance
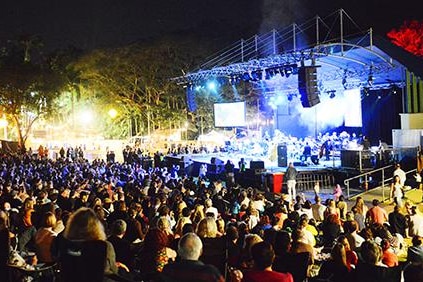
[158, 225]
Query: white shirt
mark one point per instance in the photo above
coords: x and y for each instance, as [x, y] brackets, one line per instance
[401, 175]
[212, 210]
[416, 225]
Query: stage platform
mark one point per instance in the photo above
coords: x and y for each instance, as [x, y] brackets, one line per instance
[268, 178]
[269, 165]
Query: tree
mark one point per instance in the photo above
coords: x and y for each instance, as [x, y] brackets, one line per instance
[409, 36]
[136, 79]
[28, 87]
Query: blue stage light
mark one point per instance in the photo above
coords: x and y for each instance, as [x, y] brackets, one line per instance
[212, 85]
[246, 76]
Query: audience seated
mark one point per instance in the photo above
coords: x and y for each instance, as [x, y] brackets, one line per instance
[120, 245]
[189, 267]
[85, 255]
[163, 209]
[263, 256]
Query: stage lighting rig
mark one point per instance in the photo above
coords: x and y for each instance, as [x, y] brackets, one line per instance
[344, 80]
[394, 89]
[370, 78]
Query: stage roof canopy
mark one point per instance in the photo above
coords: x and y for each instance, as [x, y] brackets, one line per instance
[345, 56]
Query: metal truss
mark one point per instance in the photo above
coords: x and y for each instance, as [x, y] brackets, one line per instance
[351, 58]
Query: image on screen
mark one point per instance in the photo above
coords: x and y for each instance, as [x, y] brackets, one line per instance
[353, 111]
[229, 114]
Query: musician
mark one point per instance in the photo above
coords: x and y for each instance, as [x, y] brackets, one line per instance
[306, 152]
[365, 142]
[325, 149]
[242, 165]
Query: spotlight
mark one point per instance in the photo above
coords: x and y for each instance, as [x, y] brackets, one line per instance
[211, 85]
[246, 76]
[256, 75]
[370, 78]
[344, 80]
[366, 91]
[233, 80]
[394, 89]
[288, 71]
[331, 93]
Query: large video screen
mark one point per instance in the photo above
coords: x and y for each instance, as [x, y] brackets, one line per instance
[353, 108]
[229, 114]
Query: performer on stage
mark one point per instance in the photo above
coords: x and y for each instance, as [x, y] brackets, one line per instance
[365, 142]
[242, 165]
[306, 152]
[291, 180]
[325, 149]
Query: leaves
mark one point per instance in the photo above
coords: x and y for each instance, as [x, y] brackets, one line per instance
[409, 36]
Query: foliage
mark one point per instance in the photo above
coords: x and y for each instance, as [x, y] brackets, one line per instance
[409, 36]
[135, 80]
[28, 86]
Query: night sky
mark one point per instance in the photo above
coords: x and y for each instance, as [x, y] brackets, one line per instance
[90, 24]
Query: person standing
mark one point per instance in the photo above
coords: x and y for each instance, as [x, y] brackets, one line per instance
[291, 180]
[401, 174]
[396, 191]
[230, 175]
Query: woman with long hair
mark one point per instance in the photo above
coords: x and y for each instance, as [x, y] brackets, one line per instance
[25, 228]
[84, 226]
[396, 191]
[336, 268]
[44, 238]
[361, 206]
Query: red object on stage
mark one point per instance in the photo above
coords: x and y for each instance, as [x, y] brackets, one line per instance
[277, 182]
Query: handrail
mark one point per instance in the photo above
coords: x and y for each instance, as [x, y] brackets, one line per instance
[390, 179]
[366, 174]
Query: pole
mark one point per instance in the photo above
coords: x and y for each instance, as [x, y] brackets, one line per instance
[341, 13]
[274, 41]
[383, 185]
[242, 50]
[348, 189]
[317, 30]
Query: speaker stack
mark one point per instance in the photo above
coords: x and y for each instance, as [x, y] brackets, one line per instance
[307, 86]
[282, 156]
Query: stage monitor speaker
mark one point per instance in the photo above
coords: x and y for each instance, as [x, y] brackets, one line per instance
[307, 86]
[282, 156]
[256, 165]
